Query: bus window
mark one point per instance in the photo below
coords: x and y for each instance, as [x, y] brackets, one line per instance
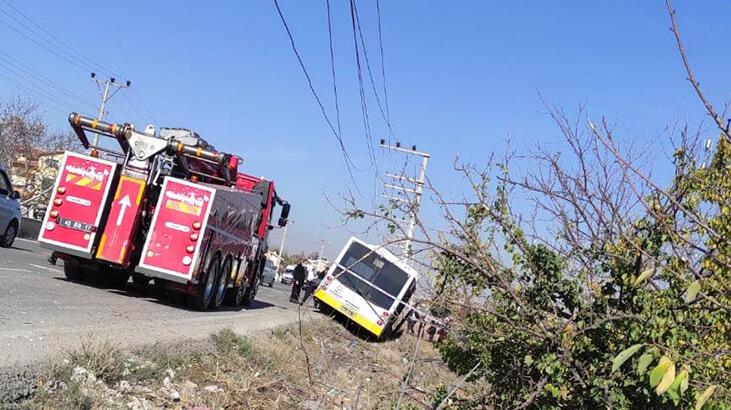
[392, 280]
[371, 269]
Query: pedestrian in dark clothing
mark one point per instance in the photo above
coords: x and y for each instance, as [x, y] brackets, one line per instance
[298, 279]
[413, 318]
[312, 285]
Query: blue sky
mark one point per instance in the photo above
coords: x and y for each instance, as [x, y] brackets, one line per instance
[462, 76]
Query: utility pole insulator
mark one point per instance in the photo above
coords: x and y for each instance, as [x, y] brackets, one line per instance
[105, 97]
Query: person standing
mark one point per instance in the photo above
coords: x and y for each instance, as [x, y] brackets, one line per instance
[413, 318]
[298, 278]
[312, 285]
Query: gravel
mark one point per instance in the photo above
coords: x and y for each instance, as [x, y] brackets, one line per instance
[17, 383]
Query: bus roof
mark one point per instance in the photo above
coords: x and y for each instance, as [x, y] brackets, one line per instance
[382, 251]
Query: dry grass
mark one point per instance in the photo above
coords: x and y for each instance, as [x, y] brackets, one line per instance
[267, 372]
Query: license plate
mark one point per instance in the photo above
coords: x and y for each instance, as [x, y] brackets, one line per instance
[79, 226]
[347, 312]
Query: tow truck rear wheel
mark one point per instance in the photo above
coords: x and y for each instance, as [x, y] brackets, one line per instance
[140, 280]
[206, 286]
[221, 284]
[235, 296]
[250, 292]
[117, 279]
[72, 271]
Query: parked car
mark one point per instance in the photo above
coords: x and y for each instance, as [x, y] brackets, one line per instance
[9, 211]
[269, 275]
[288, 275]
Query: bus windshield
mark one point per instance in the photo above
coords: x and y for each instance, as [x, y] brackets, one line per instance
[373, 269]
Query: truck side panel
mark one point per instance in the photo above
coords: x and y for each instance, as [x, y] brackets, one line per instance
[232, 225]
[77, 203]
[174, 240]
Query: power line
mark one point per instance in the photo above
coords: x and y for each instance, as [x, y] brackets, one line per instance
[363, 101]
[19, 65]
[73, 50]
[383, 64]
[50, 50]
[19, 79]
[346, 156]
[73, 56]
[386, 118]
[332, 65]
[144, 107]
[56, 105]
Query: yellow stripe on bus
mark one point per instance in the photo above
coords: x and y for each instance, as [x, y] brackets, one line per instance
[357, 318]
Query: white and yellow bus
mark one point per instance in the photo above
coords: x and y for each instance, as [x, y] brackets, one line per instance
[369, 285]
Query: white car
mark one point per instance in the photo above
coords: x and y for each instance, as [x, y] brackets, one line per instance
[269, 274]
[288, 275]
[9, 211]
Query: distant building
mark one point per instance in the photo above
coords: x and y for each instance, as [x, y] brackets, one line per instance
[33, 176]
[274, 258]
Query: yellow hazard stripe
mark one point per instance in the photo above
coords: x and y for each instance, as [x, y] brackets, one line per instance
[139, 182]
[84, 182]
[337, 305]
[103, 242]
[182, 207]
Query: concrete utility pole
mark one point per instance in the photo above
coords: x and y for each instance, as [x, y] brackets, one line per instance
[418, 188]
[111, 82]
[322, 248]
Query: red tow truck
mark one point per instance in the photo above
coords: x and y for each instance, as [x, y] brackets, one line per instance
[168, 208]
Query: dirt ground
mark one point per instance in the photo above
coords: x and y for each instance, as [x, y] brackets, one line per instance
[317, 364]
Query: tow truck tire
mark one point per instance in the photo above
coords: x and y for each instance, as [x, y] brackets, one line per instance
[250, 292]
[140, 280]
[221, 284]
[235, 296]
[8, 237]
[117, 279]
[207, 285]
[72, 271]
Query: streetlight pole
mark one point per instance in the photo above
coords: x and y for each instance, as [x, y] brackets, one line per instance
[281, 246]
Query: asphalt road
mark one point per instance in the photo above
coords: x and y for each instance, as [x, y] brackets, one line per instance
[42, 313]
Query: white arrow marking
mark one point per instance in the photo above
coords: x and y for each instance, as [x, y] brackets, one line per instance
[124, 203]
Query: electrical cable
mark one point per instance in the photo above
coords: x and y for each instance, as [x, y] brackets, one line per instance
[332, 65]
[20, 66]
[50, 50]
[79, 56]
[383, 64]
[57, 106]
[346, 156]
[363, 100]
[144, 107]
[386, 118]
[73, 56]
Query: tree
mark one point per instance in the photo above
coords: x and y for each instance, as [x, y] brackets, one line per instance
[21, 128]
[584, 282]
